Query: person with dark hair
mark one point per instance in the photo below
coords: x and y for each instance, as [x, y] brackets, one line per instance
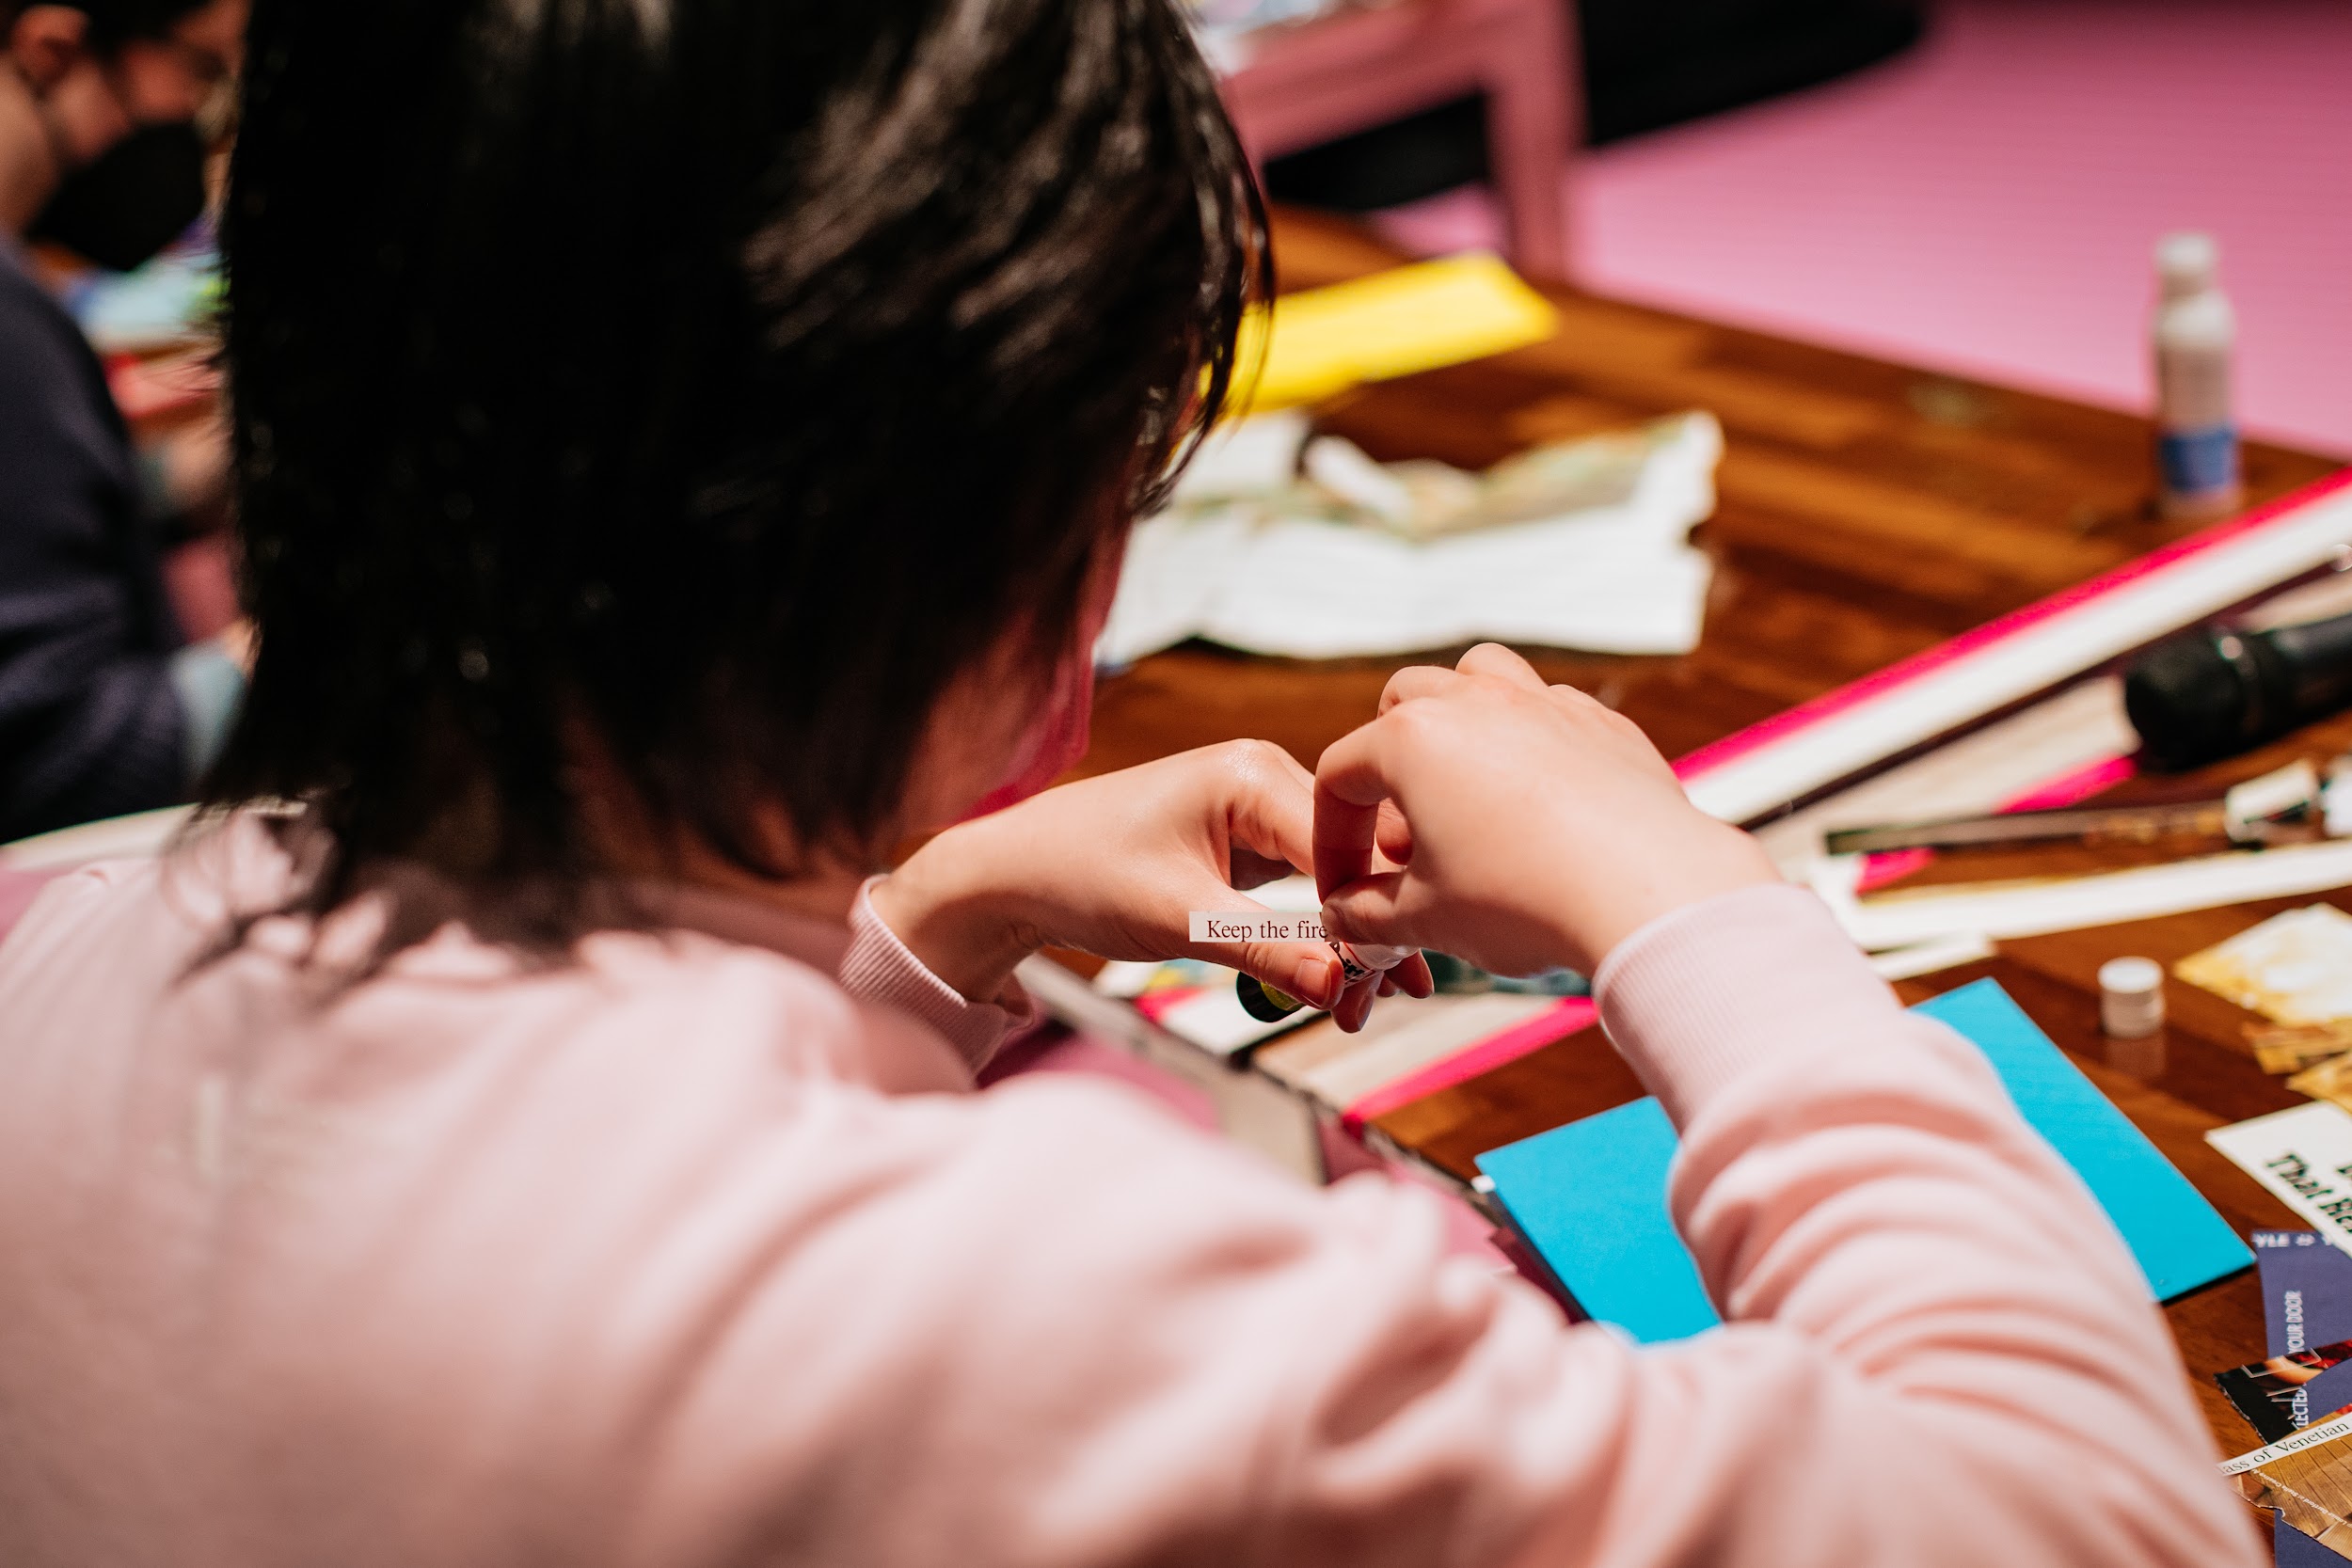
[521, 1124]
[104, 708]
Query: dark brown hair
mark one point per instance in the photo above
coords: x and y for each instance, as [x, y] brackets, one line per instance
[720, 376]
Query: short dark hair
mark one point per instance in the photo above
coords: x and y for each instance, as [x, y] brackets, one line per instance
[720, 376]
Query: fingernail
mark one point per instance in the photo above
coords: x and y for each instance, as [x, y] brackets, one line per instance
[1313, 980]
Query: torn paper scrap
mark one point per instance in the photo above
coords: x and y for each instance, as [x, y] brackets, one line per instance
[2280, 1048]
[2295, 966]
[2274, 1395]
[2306, 1477]
[2331, 1080]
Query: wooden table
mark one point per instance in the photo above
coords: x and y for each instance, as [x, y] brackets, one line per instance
[1868, 511]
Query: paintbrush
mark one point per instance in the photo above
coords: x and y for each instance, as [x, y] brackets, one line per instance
[2273, 809]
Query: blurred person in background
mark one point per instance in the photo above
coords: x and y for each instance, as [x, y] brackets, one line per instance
[104, 706]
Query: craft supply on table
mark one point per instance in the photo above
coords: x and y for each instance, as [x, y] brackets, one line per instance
[1931, 957]
[2131, 998]
[1408, 1049]
[2000, 910]
[2219, 691]
[2059, 751]
[2306, 1290]
[1798, 755]
[1270, 1004]
[2307, 1477]
[1397, 322]
[2291, 1548]
[2280, 807]
[2194, 332]
[2294, 968]
[2299, 1155]
[1591, 1197]
[2282, 1047]
[1459, 977]
[2273, 1394]
[2331, 1080]
[1583, 544]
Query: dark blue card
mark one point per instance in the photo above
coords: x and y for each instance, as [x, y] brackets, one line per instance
[2306, 1290]
[2291, 1548]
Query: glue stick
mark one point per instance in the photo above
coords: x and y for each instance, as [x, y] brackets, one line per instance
[2195, 331]
[1268, 1005]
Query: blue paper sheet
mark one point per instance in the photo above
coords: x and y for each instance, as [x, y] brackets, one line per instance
[1591, 1197]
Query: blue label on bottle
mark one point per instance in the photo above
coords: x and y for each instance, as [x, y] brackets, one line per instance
[2199, 462]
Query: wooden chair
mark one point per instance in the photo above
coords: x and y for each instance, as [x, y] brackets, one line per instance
[1369, 64]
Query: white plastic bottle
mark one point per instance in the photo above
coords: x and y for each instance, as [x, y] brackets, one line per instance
[2195, 332]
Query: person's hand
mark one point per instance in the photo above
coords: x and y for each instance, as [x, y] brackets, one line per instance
[1115, 866]
[237, 639]
[1532, 826]
[192, 465]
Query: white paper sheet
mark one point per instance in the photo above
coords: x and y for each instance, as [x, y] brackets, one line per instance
[1611, 578]
[2002, 910]
[2304, 1156]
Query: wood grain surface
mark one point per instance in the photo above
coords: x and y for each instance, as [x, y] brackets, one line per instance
[1868, 510]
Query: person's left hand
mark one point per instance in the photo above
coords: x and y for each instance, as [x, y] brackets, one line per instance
[1115, 866]
[193, 467]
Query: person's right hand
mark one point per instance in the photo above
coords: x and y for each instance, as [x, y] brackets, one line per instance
[1535, 827]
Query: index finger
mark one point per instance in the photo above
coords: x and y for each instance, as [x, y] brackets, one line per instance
[1417, 680]
[1496, 662]
[1349, 787]
[1269, 809]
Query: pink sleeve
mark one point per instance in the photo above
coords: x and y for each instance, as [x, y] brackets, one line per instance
[879, 967]
[1076, 1333]
[1937, 1350]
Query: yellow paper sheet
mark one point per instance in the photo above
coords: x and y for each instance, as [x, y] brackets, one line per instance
[1397, 322]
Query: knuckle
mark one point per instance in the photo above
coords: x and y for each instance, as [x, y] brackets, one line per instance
[1624, 725]
[1252, 758]
[1416, 721]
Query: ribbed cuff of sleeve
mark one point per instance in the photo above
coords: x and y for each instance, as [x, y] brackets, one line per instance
[1697, 998]
[879, 968]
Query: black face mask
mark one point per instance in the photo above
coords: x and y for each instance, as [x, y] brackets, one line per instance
[132, 201]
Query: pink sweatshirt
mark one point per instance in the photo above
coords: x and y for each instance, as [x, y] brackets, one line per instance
[703, 1252]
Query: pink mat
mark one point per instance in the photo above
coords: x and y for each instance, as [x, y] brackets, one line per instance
[1987, 203]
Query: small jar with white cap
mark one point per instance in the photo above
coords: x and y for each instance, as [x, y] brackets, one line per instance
[2131, 998]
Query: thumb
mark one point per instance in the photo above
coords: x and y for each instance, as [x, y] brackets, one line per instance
[1308, 970]
[1384, 907]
